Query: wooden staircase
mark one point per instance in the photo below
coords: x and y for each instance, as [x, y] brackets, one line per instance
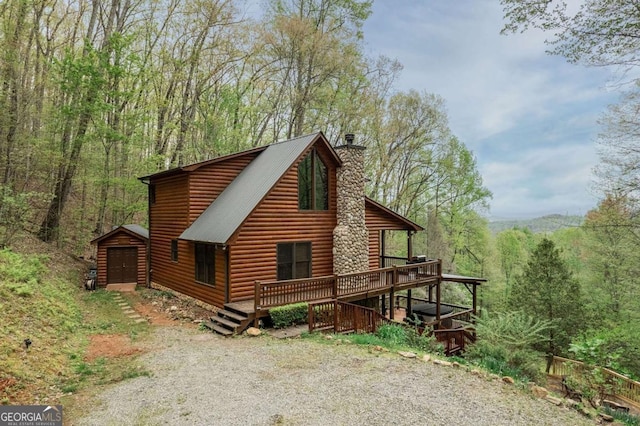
[229, 321]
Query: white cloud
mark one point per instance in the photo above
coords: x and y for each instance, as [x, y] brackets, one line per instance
[530, 118]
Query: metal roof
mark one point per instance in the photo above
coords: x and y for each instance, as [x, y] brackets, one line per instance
[232, 207]
[136, 230]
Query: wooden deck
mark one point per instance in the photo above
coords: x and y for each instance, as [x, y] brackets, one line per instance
[347, 287]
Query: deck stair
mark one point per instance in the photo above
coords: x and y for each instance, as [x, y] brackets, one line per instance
[229, 321]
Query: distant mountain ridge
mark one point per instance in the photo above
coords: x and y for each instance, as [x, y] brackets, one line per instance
[544, 224]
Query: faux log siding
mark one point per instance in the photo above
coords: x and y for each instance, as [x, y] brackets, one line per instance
[377, 221]
[179, 202]
[277, 219]
[374, 249]
[169, 218]
[122, 239]
[206, 183]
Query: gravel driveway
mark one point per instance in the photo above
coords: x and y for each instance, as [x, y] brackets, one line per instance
[201, 379]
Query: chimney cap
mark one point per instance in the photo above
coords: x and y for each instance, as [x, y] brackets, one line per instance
[349, 137]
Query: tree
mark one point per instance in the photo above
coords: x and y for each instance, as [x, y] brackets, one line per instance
[547, 290]
[512, 247]
[312, 45]
[600, 32]
[612, 259]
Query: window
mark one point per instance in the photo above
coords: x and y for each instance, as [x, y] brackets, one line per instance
[294, 260]
[174, 250]
[205, 263]
[313, 183]
[152, 193]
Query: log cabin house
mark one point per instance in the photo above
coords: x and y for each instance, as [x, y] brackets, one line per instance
[275, 225]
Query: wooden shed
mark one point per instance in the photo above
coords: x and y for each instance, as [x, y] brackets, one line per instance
[122, 257]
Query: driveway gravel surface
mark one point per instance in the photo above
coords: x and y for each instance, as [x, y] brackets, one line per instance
[198, 378]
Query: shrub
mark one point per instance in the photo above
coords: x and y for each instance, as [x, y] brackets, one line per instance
[505, 344]
[285, 316]
[393, 335]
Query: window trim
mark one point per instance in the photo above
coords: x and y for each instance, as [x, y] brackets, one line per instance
[210, 273]
[293, 262]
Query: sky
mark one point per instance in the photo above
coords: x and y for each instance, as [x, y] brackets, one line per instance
[531, 119]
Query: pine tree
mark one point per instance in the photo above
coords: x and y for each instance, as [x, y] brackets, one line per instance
[547, 290]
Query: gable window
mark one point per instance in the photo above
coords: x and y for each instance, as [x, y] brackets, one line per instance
[313, 183]
[174, 250]
[205, 263]
[294, 260]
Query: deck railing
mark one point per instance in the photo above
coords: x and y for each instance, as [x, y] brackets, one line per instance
[278, 293]
[455, 320]
[387, 261]
[341, 317]
[453, 340]
[622, 387]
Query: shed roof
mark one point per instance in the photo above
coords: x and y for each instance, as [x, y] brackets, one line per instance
[132, 229]
[234, 205]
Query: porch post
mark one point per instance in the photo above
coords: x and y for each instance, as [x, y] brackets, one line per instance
[438, 300]
[409, 303]
[475, 299]
[409, 245]
[383, 305]
[383, 244]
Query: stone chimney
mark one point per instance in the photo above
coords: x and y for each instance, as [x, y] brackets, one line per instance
[350, 236]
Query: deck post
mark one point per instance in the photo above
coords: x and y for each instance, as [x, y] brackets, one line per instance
[438, 299]
[383, 304]
[256, 303]
[394, 280]
[409, 302]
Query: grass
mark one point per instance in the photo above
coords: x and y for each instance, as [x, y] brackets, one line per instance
[622, 417]
[392, 337]
[42, 300]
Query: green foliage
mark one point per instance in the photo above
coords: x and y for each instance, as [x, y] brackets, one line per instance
[506, 342]
[285, 316]
[547, 290]
[622, 416]
[48, 307]
[395, 337]
[617, 348]
[16, 212]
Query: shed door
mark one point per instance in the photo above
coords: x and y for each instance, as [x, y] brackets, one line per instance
[122, 265]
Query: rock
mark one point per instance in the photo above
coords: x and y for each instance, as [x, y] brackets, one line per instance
[455, 364]
[571, 403]
[476, 372]
[606, 417]
[406, 354]
[554, 400]
[252, 331]
[173, 308]
[441, 362]
[426, 358]
[539, 391]
[328, 337]
[508, 380]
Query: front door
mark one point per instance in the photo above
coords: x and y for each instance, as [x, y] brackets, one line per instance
[122, 265]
